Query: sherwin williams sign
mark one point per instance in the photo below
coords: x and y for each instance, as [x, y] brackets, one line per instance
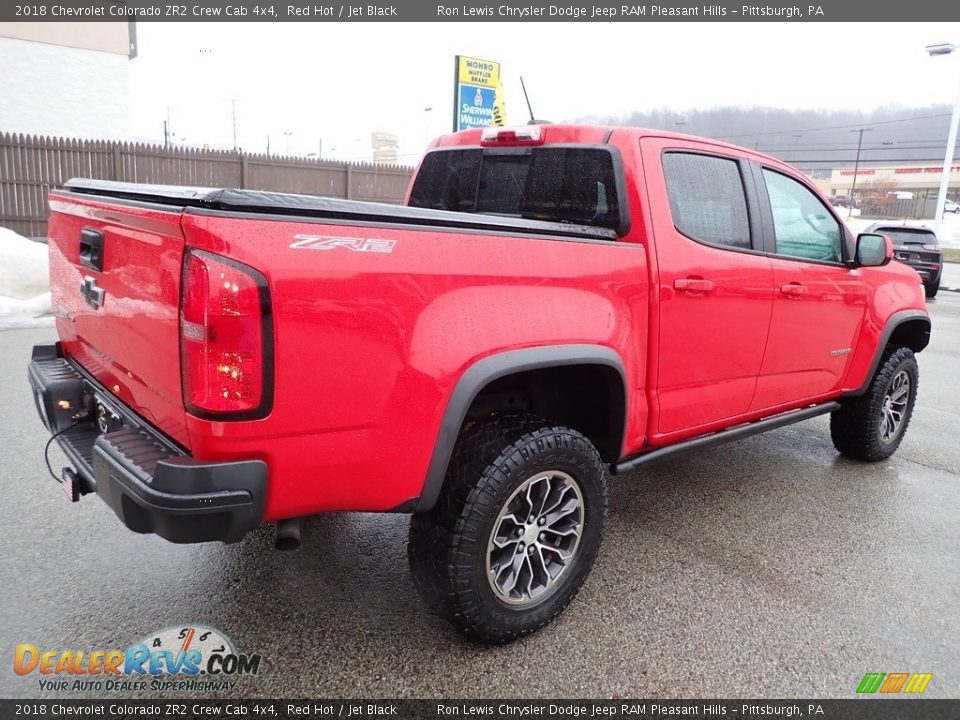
[477, 93]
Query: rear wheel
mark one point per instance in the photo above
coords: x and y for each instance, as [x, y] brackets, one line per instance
[931, 288]
[871, 426]
[516, 528]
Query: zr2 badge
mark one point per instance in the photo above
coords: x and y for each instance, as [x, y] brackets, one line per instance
[331, 242]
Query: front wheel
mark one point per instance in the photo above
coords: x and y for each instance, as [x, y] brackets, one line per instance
[871, 426]
[516, 528]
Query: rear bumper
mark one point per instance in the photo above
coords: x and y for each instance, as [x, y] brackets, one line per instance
[929, 271]
[152, 485]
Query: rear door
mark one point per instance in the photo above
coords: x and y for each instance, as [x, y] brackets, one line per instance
[115, 284]
[714, 287]
[818, 301]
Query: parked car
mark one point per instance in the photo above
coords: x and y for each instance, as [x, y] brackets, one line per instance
[950, 206]
[917, 247]
[844, 202]
[602, 299]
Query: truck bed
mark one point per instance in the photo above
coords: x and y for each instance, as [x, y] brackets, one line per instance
[371, 312]
[233, 200]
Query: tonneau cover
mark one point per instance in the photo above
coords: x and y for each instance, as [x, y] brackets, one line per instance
[260, 201]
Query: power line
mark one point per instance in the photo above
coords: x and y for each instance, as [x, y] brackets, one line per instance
[834, 161]
[833, 127]
[852, 148]
[850, 145]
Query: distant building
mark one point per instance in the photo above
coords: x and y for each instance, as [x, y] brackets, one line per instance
[66, 79]
[384, 146]
[921, 180]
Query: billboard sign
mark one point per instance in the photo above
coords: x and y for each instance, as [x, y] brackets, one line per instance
[478, 100]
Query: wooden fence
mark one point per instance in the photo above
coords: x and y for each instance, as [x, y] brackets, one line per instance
[30, 166]
[905, 208]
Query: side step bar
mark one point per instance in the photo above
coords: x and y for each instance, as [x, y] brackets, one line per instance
[723, 436]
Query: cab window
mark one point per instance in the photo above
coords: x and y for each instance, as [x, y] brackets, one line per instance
[575, 184]
[803, 227]
[707, 200]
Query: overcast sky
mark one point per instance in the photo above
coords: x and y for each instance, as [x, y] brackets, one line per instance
[340, 82]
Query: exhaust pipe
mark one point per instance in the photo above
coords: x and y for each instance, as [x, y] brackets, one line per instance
[288, 534]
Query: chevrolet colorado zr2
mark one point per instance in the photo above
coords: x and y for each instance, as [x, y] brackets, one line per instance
[553, 305]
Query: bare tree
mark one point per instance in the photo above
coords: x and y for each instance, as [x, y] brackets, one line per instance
[877, 195]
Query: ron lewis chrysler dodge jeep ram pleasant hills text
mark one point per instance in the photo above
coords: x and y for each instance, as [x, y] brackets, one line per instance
[553, 305]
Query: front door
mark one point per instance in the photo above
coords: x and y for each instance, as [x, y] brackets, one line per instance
[818, 301]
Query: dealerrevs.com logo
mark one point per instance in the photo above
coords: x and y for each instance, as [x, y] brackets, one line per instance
[192, 658]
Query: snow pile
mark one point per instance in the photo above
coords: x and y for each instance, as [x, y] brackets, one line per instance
[24, 282]
[950, 230]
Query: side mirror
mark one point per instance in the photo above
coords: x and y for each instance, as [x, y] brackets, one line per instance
[873, 250]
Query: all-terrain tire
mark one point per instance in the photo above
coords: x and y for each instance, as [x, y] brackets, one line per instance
[857, 428]
[449, 546]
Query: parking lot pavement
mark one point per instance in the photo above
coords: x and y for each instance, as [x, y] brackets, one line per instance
[770, 567]
[950, 279]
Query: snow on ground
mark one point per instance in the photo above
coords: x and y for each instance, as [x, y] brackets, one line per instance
[24, 282]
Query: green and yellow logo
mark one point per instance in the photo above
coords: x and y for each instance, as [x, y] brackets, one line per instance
[912, 683]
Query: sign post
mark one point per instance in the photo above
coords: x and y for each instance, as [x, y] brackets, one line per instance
[477, 93]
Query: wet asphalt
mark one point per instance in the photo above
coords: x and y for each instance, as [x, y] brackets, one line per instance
[766, 568]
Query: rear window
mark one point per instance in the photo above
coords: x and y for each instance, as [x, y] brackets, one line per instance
[558, 184]
[707, 199]
[902, 236]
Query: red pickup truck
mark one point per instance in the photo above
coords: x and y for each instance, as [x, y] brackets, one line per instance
[553, 304]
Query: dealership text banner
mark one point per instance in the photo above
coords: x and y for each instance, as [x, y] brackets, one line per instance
[422, 11]
[914, 709]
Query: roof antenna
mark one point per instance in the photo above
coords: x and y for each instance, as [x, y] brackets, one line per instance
[526, 97]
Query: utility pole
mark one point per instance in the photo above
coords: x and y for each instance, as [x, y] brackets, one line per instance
[856, 168]
[933, 50]
[233, 106]
[166, 130]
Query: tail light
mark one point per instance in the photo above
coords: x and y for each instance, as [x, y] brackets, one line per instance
[523, 135]
[226, 343]
[932, 246]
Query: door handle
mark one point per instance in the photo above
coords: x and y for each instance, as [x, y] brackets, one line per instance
[693, 285]
[91, 249]
[793, 289]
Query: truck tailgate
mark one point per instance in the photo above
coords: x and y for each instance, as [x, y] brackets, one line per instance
[115, 282]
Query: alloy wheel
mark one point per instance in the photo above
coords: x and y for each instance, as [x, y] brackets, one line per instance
[894, 407]
[535, 538]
